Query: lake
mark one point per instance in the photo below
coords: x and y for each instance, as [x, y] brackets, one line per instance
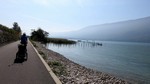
[126, 60]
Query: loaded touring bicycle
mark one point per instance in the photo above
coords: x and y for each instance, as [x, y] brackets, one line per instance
[22, 52]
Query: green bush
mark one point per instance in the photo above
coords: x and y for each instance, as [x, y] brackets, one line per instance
[33, 44]
[60, 41]
[42, 54]
[57, 68]
[8, 35]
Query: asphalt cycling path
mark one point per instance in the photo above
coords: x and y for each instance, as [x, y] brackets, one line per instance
[31, 71]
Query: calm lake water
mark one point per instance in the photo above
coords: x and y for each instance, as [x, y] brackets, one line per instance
[124, 59]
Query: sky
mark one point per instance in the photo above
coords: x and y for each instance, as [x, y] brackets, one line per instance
[69, 15]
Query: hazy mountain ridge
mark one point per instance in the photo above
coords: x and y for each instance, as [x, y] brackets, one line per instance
[133, 30]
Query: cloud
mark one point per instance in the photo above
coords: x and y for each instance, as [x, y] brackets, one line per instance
[16, 2]
[51, 2]
[36, 19]
[59, 2]
[42, 2]
[80, 2]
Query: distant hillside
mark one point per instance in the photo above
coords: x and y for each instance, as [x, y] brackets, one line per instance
[133, 30]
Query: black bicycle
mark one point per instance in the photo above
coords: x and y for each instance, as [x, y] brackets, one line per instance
[22, 52]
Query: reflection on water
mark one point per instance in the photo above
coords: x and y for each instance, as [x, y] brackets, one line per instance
[82, 44]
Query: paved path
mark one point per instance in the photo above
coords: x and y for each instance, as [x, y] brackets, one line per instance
[31, 71]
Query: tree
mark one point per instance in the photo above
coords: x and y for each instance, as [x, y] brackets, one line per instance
[39, 35]
[17, 28]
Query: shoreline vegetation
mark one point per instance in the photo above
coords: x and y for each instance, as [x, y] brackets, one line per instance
[60, 41]
[42, 36]
[72, 73]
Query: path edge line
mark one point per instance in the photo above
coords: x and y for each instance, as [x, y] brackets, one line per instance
[55, 78]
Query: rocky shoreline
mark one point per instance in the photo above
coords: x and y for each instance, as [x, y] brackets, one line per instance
[72, 73]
